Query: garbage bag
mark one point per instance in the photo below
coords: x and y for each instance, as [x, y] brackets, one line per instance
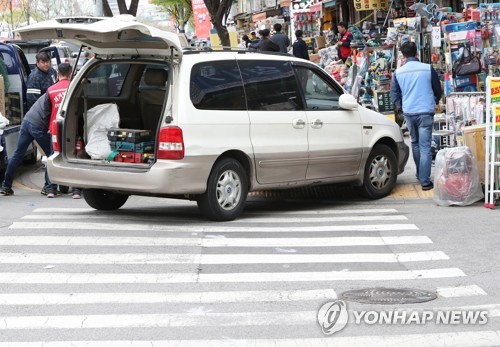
[456, 177]
[98, 121]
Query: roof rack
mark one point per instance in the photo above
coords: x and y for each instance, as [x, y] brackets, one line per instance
[228, 49]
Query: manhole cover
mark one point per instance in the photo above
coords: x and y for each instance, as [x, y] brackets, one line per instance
[388, 296]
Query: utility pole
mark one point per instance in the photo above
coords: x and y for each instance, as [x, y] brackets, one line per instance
[28, 4]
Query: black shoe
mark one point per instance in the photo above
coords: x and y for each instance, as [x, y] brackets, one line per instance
[6, 191]
[44, 191]
[428, 186]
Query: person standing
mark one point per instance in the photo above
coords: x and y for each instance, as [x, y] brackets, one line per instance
[344, 44]
[280, 39]
[34, 127]
[265, 43]
[40, 79]
[300, 47]
[56, 94]
[416, 89]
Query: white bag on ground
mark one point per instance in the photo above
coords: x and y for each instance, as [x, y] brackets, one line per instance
[98, 121]
[456, 177]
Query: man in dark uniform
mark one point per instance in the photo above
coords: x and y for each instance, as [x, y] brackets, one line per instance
[40, 79]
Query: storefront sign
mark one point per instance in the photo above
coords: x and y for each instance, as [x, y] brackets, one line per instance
[316, 7]
[495, 89]
[365, 5]
[258, 17]
[201, 16]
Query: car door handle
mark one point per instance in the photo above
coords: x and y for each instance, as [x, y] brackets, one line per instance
[316, 123]
[299, 123]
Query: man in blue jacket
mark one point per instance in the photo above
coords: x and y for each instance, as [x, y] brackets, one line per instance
[416, 89]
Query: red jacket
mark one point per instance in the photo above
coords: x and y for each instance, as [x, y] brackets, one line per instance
[345, 47]
[56, 94]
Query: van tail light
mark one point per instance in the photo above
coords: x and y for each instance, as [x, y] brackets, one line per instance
[56, 139]
[170, 143]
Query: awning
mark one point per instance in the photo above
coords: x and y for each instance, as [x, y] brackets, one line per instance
[330, 3]
[316, 7]
[258, 16]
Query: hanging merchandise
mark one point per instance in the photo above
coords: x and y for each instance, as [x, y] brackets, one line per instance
[466, 64]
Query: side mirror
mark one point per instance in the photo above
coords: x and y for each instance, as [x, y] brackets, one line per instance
[348, 102]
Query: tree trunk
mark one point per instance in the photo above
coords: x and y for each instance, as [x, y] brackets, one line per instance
[218, 10]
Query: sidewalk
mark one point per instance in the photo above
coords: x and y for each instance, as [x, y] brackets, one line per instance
[30, 177]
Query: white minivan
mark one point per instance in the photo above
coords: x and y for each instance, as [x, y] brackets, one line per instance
[223, 123]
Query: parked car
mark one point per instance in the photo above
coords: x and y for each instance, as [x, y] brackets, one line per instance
[224, 123]
[18, 70]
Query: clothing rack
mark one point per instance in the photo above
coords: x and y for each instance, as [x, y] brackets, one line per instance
[451, 117]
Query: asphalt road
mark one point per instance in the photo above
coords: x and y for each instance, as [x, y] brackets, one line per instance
[156, 273]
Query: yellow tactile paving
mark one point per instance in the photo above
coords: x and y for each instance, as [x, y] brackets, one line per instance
[406, 191]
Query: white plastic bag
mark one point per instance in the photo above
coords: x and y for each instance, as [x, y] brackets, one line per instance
[456, 177]
[98, 121]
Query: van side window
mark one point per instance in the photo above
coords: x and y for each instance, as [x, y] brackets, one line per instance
[319, 93]
[217, 85]
[107, 80]
[270, 85]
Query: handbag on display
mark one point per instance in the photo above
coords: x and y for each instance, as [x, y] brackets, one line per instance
[467, 64]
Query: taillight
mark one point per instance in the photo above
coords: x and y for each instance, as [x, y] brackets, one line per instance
[55, 136]
[170, 143]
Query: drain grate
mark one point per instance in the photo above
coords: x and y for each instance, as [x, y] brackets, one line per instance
[388, 296]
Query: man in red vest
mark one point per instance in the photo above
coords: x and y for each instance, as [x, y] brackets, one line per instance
[56, 94]
[344, 43]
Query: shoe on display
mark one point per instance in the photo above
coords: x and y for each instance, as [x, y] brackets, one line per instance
[6, 191]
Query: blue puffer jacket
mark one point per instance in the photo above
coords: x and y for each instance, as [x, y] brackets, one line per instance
[38, 83]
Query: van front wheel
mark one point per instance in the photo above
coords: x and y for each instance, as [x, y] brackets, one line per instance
[104, 200]
[226, 193]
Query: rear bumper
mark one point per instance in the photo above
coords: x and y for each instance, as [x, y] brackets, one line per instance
[164, 177]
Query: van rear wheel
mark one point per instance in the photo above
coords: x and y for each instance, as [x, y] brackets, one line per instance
[104, 200]
[226, 193]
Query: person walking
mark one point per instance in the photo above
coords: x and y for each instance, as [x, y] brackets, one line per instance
[34, 127]
[40, 79]
[300, 47]
[416, 89]
[265, 43]
[344, 44]
[280, 39]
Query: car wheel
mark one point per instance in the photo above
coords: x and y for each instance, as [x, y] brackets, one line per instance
[380, 173]
[226, 193]
[104, 200]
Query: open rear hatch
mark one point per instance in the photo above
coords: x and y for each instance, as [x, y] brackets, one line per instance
[107, 35]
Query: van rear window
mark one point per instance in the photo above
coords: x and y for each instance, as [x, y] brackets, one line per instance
[217, 85]
[107, 80]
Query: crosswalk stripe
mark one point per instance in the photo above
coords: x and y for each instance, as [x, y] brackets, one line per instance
[159, 320]
[456, 339]
[208, 259]
[245, 220]
[166, 297]
[205, 228]
[212, 242]
[321, 211]
[453, 292]
[240, 277]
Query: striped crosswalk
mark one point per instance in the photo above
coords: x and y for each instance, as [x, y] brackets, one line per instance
[72, 276]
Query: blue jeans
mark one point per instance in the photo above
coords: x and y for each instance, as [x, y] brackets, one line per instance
[27, 135]
[421, 136]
